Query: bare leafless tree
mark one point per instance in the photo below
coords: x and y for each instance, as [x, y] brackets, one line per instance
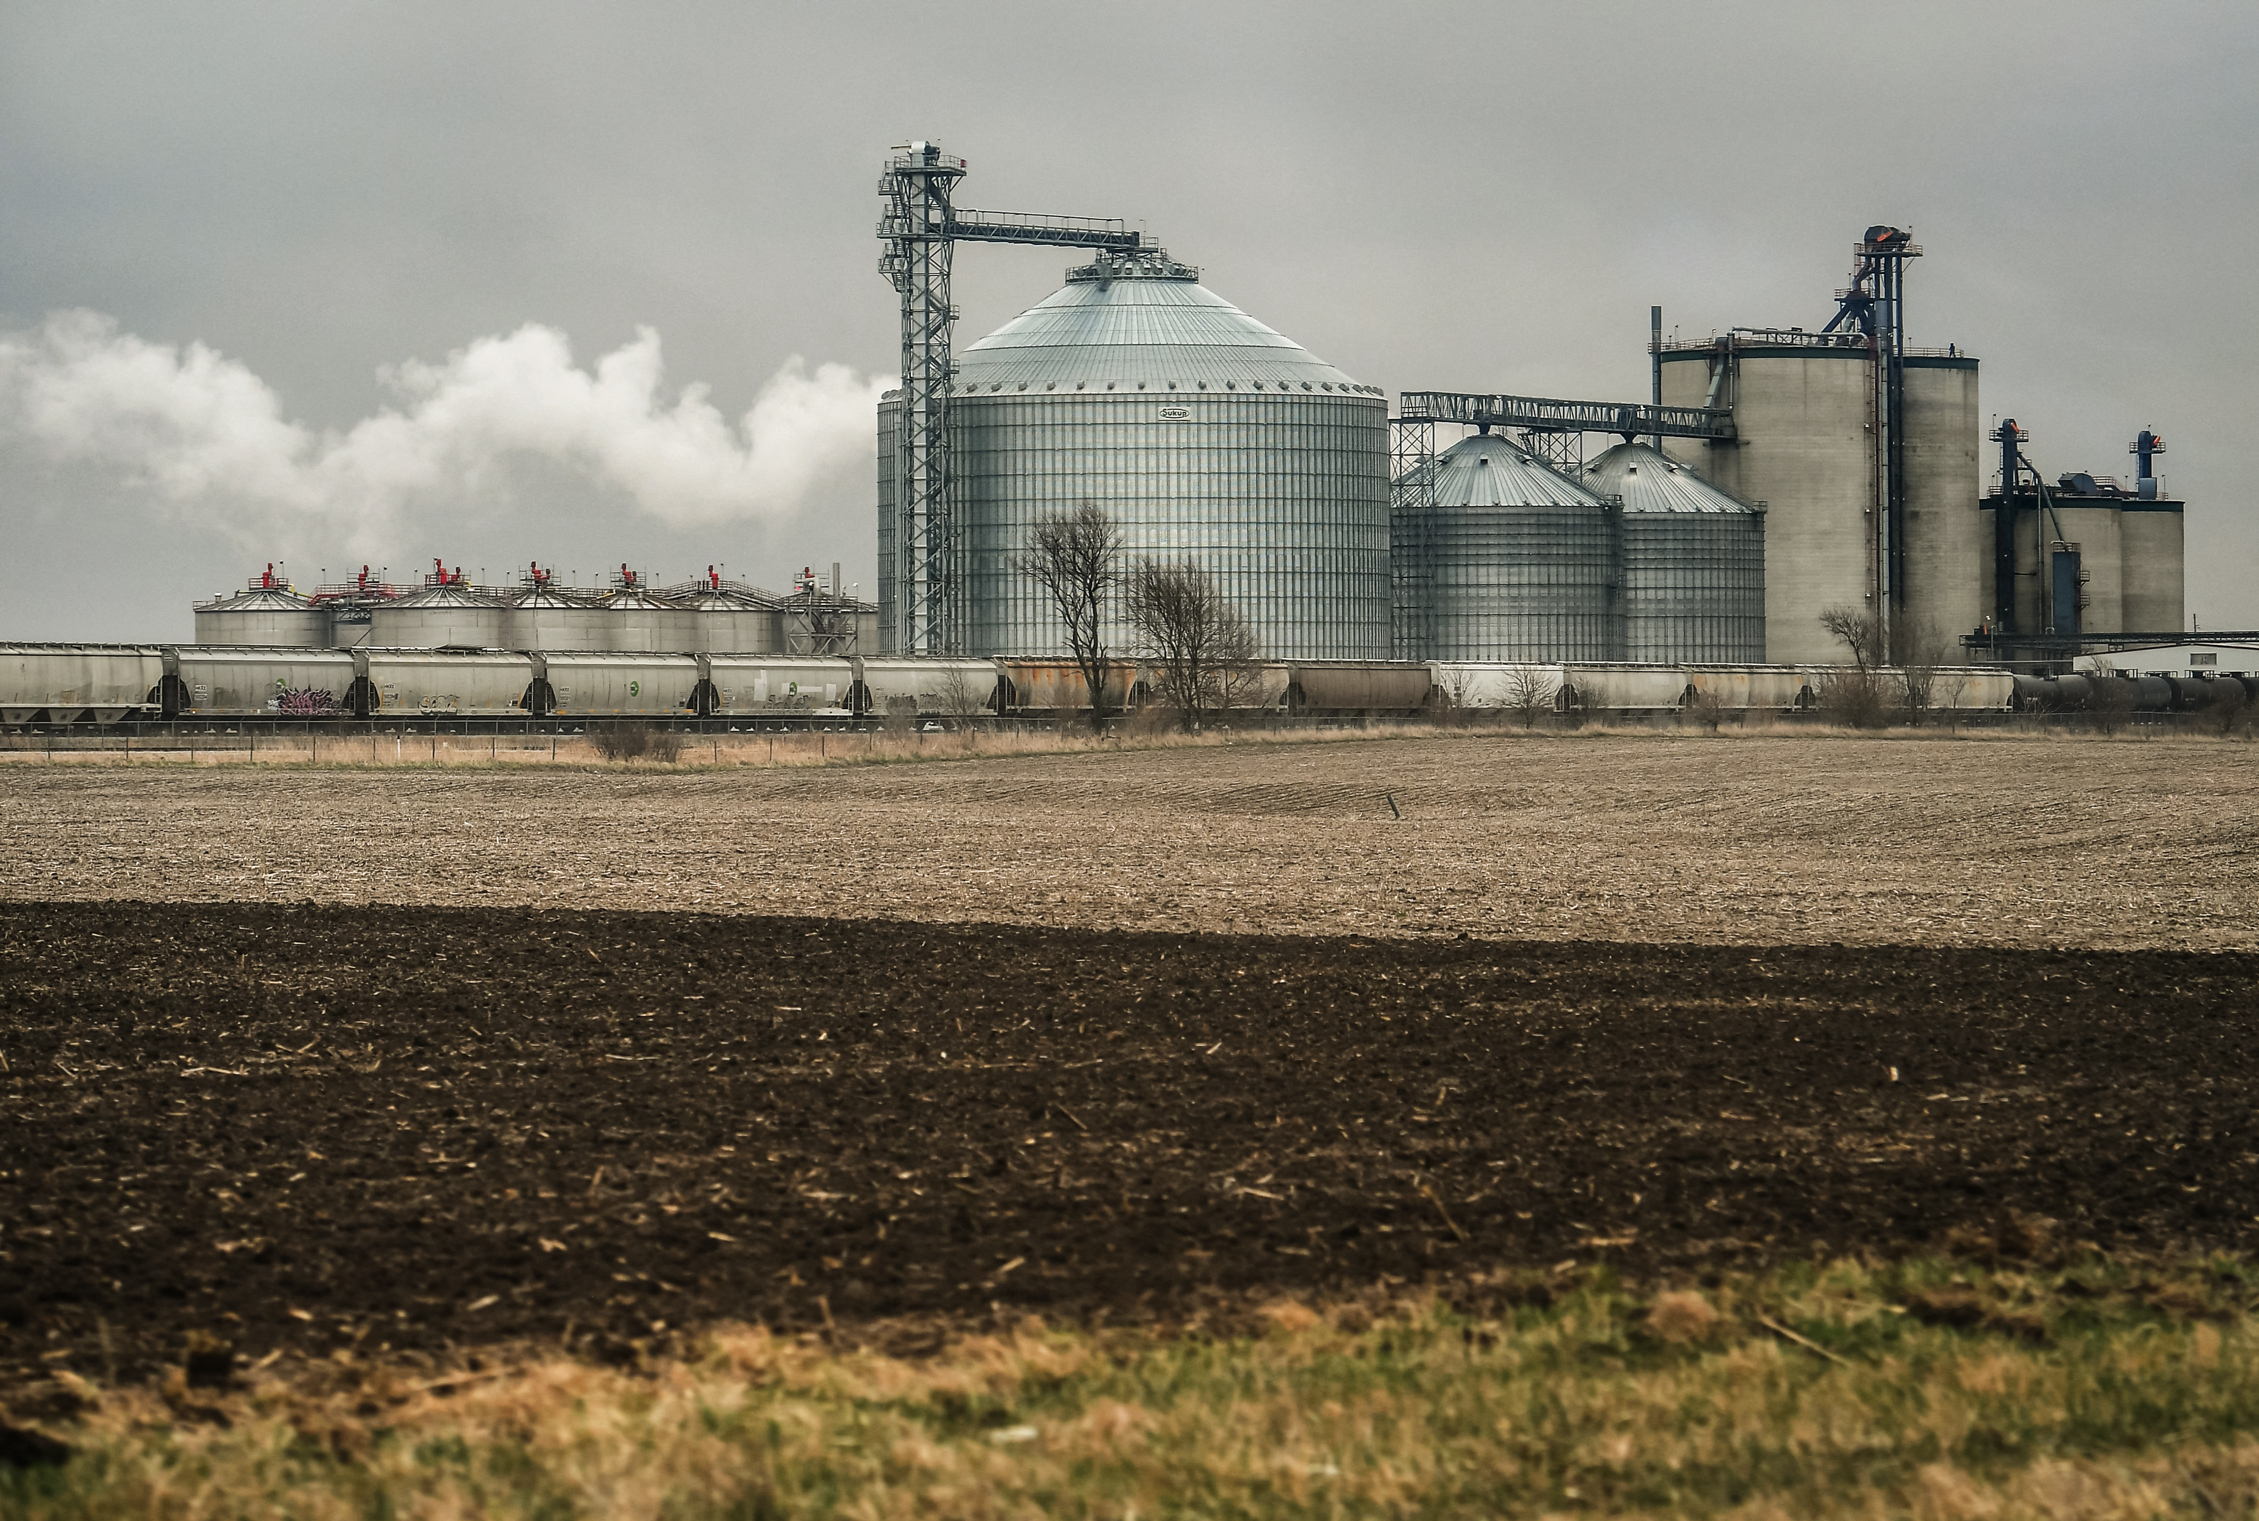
[1191, 632]
[1855, 631]
[1529, 696]
[960, 697]
[1853, 696]
[1454, 694]
[1921, 650]
[1077, 557]
[1706, 708]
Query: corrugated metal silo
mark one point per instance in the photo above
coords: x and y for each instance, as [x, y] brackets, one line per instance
[1513, 563]
[724, 620]
[545, 617]
[1693, 561]
[1202, 432]
[432, 617]
[272, 616]
[638, 622]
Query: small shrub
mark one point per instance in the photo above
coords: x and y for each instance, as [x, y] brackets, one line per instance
[1854, 698]
[1707, 709]
[631, 739]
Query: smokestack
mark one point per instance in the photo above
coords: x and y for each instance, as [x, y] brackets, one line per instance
[835, 578]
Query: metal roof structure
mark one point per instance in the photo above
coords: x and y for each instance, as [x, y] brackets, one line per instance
[1649, 480]
[257, 599]
[1486, 470]
[1127, 324]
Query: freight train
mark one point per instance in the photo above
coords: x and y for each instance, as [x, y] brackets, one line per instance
[82, 684]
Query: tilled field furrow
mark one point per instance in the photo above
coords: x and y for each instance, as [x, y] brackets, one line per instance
[370, 1127]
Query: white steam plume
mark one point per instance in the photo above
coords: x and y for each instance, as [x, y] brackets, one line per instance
[201, 431]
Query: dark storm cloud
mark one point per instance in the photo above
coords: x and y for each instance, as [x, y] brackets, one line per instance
[332, 199]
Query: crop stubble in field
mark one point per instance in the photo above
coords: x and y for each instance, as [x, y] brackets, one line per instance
[372, 1128]
[1796, 839]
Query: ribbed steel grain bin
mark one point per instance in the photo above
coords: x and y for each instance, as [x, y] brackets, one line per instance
[1203, 433]
[1511, 563]
[77, 683]
[751, 686]
[1693, 560]
[638, 622]
[544, 618]
[235, 681]
[724, 622]
[945, 687]
[448, 683]
[437, 617]
[623, 685]
[270, 617]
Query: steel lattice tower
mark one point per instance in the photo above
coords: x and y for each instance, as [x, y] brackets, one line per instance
[921, 229]
[918, 185]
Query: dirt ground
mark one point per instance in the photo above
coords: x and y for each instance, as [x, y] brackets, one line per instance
[412, 1130]
[1796, 839]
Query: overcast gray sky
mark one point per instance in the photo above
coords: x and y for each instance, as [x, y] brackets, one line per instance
[340, 282]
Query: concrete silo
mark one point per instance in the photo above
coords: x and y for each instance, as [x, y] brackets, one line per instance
[1803, 445]
[1203, 433]
[1691, 582]
[1504, 559]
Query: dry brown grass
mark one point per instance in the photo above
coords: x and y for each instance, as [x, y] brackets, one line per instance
[1809, 1393]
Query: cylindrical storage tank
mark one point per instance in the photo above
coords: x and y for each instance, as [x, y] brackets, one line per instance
[721, 621]
[637, 622]
[268, 616]
[545, 618]
[2151, 548]
[435, 617]
[1692, 584]
[1513, 562]
[1204, 434]
[1803, 447]
[1948, 557]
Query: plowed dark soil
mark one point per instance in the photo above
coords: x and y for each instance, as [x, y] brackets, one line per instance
[423, 1128]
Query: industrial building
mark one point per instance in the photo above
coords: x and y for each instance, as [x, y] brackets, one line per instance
[2090, 554]
[1773, 474]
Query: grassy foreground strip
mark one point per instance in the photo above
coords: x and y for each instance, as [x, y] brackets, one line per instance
[1926, 1388]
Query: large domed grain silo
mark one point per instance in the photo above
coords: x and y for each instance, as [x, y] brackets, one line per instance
[1692, 558]
[1203, 433]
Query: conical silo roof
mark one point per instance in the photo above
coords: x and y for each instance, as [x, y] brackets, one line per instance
[259, 599]
[1650, 481]
[1487, 471]
[1141, 324]
[445, 596]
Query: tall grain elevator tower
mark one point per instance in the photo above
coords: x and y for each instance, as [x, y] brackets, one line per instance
[1864, 450]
